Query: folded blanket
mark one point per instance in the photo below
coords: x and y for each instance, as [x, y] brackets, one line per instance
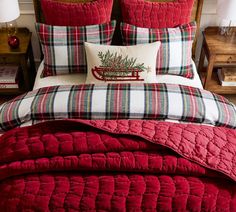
[119, 101]
[118, 165]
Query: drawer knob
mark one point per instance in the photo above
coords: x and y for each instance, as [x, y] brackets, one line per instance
[229, 59]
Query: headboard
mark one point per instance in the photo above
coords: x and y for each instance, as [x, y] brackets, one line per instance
[116, 14]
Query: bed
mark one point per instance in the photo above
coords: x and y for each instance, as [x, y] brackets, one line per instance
[72, 145]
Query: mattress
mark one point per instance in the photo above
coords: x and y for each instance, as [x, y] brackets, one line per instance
[75, 79]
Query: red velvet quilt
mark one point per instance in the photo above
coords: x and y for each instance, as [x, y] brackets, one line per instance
[118, 165]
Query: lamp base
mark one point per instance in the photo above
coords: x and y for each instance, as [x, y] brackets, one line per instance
[11, 28]
[226, 30]
[13, 41]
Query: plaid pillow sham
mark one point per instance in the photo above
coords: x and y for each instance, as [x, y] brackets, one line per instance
[63, 46]
[175, 54]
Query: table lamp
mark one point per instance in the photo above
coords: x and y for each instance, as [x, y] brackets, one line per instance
[226, 10]
[9, 12]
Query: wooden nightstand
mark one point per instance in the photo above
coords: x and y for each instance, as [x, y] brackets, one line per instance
[220, 51]
[22, 56]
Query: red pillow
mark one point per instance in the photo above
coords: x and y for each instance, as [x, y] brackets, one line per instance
[156, 14]
[76, 14]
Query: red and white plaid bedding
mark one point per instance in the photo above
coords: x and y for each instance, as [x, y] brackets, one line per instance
[119, 101]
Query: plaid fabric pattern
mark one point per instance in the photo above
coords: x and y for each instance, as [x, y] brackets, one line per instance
[63, 46]
[175, 54]
[119, 101]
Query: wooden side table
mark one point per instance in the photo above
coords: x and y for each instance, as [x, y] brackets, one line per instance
[220, 51]
[22, 56]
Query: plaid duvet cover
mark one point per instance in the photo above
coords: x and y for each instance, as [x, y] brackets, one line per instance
[118, 101]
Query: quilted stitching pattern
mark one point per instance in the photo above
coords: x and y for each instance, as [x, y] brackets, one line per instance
[164, 181]
[74, 14]
[61, 147]
[74, 192]
[213, 147]
[156, 15]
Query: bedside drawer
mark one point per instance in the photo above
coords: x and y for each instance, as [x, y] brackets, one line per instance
[9, 60]
[225, 59]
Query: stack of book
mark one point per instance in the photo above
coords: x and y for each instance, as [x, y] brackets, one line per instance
[9, 77]
[227, 76]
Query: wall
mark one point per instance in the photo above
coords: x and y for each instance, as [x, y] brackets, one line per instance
[208, 18]
[27, 19]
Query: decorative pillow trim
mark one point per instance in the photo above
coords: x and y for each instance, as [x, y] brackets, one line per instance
[175, 54]
[63, 47]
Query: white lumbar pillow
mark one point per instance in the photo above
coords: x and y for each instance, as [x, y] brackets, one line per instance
[121, 64]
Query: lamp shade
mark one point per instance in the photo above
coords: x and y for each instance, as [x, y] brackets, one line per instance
[9, 10]
[226, 9]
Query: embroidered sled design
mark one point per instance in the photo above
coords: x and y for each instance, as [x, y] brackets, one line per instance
[118, 67]
[110, 74]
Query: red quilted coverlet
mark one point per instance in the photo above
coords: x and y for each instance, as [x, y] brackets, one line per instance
[74, 14]
[123, 165]
[156, 14]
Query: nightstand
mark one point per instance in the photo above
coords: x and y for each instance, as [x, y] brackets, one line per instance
[220, 51]
[22, 56]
